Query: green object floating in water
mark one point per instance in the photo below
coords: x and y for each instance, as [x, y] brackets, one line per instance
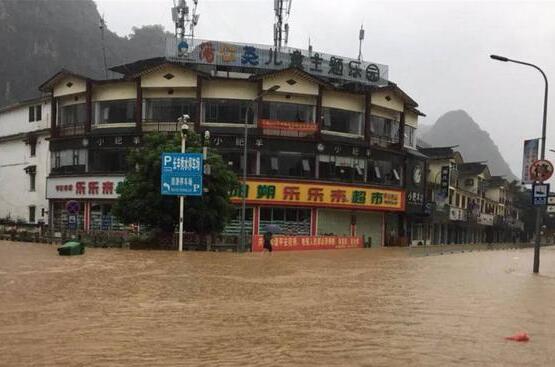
[71, 248]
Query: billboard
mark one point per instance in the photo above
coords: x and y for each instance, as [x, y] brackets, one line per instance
[530, 155]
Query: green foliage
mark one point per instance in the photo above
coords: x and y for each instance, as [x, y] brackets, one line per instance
[140, 200]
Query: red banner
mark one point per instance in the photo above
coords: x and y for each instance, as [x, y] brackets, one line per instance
[296, 243]
[287, 125]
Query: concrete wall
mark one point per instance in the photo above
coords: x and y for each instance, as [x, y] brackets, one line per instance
[16, 120]
[181, 78]
[15, 196]
[302, 85]
[388, 99]
[344, 101]
[69, 85]
[232, 89]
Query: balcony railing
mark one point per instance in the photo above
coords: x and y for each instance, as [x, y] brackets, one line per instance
[160, 126]
[70, 129]
[383, 141]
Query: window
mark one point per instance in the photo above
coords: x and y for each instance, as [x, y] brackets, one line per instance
[234, 160]
[69, 161]
[341, 168]
[32, 172]
[108, 160]
[288, 112]
[451, 194]
[293, 221]
[469, 182]
[342, 121]
[410, 140]
[72, 115]
[33, 146]
[457, 200]
[35, 113]
[227, 111]
[287, 164]
[32, 210]
[113, 112]
[169, 109]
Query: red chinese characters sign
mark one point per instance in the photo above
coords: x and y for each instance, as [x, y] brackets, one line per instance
[82, 187]
[288, 125]
[296, 243]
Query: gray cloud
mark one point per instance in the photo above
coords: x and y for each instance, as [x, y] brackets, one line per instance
[438, 52]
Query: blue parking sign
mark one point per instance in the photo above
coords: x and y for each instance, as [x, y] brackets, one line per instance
[181, 174]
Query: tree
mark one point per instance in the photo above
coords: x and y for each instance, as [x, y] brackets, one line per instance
[140, 200]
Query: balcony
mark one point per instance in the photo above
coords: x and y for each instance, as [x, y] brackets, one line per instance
[159, 126]
[69, 130]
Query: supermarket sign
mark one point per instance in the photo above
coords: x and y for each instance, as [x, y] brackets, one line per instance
[296, 243]
[321, 195]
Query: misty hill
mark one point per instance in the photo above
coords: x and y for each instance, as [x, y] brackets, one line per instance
[458, 128]
[38, 38]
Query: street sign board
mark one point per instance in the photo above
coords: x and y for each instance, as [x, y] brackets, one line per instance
[551, 209]
[541, 170]
[72, 221]
[540, 192]
[551, 200]
[531, 148]
[181, 174]
[73, 207]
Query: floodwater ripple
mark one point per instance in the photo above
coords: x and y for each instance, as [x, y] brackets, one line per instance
[331, 308]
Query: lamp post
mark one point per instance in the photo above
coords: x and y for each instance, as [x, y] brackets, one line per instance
[244, 184]
[539, 209]
[183, 120]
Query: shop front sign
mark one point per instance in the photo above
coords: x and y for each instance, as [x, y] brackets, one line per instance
[94, 187]
[322, 195]
[458, 214]
[485, 219]
[295, 243]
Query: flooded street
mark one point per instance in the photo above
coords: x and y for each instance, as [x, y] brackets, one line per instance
[313, 308]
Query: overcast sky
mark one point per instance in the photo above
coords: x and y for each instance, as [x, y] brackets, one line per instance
[437, 52]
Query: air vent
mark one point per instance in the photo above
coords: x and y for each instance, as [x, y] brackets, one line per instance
[169, 76]
[69, 84]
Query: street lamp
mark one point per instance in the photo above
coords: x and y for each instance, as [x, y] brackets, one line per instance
[244, 185]
[539, 209]
[183, 120]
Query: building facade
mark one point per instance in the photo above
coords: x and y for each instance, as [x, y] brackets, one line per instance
[24, 161]
[325, 156]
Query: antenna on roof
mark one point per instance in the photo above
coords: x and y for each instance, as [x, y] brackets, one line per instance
[184, 19]
[360, 39]
[282, 9]
[102, 25]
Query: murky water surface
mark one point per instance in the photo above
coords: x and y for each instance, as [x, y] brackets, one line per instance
[313, 308]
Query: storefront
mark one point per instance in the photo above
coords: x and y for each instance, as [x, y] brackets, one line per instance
[315, 209]
[83, 203]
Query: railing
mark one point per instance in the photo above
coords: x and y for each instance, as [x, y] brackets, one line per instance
[70, 129]
[160, 126]
[383, 141]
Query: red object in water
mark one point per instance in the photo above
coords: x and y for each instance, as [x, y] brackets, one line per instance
[519, 337]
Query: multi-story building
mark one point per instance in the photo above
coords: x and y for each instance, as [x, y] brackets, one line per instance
[24, 161]
[330, 139]
[468, 204]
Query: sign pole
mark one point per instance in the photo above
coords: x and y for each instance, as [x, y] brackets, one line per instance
[181, 200]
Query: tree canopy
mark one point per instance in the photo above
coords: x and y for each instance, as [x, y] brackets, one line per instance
[140, 200]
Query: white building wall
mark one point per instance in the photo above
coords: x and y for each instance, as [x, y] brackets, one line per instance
[15, 156]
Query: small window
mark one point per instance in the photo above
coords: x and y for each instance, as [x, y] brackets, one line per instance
[38, 112]
[469, 182]
[31, 113]
[32, 210]
[75, 157]
[306, 165]
[32, 178]
[57, 160]
[274, 163]
[377, 171]
[33, 147]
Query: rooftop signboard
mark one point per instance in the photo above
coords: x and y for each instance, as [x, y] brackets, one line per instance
[235, 54]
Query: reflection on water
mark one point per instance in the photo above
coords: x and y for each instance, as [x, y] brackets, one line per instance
[313, 308]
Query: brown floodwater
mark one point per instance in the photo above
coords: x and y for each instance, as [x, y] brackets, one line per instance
[313, 308]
